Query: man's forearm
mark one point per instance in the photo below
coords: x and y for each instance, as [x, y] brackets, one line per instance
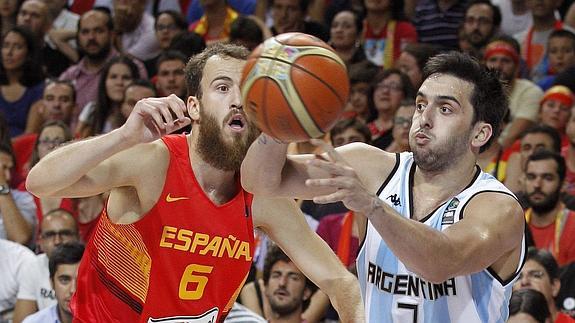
[66, 165]
[262, 167]
[16, 226]
[346, 299]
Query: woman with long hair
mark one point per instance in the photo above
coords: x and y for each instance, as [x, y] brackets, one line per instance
[21, 78]
[345, 36]
[104, 114]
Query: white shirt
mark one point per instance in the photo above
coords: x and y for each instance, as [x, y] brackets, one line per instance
[14, 257]
[36, 285]
[47, 315]
[142, 42]
[66, 20]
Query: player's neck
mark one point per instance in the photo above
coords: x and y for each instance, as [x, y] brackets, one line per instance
[544, 219]
[458, 174]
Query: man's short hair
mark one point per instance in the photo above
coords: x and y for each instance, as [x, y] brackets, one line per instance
[68, 253]
[67, 83]
[543, 154]
[195, 67]
[170, 55]
[531, 302]
[143, 83]
[179, 20]
[351, 123]
[494, 9]
[563, 33]
[103, 10]
[488, 98]
[546, 130]
[546, 260]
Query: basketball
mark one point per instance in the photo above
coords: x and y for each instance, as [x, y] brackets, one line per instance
[294, 87]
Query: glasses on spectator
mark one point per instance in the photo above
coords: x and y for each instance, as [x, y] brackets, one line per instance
[51, 142]
[63, 234]
[390, 87]
[484, 21]
[533, 274]
[402, 122]
[170, 27]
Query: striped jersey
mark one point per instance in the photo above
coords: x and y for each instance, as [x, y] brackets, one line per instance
[392, 293]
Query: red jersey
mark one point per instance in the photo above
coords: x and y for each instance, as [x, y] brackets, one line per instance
[562, 230]
[184, 261]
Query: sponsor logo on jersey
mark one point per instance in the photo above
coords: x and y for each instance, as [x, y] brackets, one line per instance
[210, 316]
[405, 284]
[171, 199]
[449, 213]
[395, 200]
[205, 244]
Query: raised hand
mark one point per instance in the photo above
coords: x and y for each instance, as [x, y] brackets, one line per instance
[152, 118]
[349, 188]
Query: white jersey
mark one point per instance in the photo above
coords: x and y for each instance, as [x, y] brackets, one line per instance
[392, 293]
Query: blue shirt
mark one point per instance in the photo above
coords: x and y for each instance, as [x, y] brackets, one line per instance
[16, 113]
[47, 315]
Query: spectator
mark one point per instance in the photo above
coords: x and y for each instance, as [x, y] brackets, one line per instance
[244, 7]
[437, 21]
[412, 60]
[386, 32]
[345, 36]
[360, 77]
[561, 54]
[168, 24]
[387, 91]
[17, 211]
[135, 29]
[188, 43]
[550, 222]
[104, 114]
[401, 126]
[63, 274]
[541, 273]
[135, 91]
[248, 31]
[37, 294]
[64, 28]
[556, 109]
[568, 153]
[481, 23]
[15, 258]
[515, 16]
[502, 54]
[290, 16]
[170, 78]
[58, 104]
[214, 25]
[8, 14]
[20, 78]
[528, 306]
[534, 40]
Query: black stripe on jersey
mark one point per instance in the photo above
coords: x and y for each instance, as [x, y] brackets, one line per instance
[489, 269]
[115, 290]
[390, 176]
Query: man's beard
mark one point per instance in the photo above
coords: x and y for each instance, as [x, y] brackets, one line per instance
[442, 157]
[100, 55]
[547, 204]
[287, 308]
[218, 152]
[126, 21]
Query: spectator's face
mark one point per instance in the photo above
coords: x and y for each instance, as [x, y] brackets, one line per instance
[287, 15]
[561, 53]
[14, 51]
[542, 8]
[533, 142]
[128, 14]
[555, 114]
[358, 99]
[534, 276]
[402, 124]
[49, 139]
[388, 94]
[64, 284]
[349, 135]
[408, 65]
[134, 94]
[34, 15]
[57, 229]
[94, 37]
[286, 288]
[504, 64]
[58, 102]
[171, 78]
[478, 24]
[343, 31]
[8, 8]
[166, 30]
[542, 184]
[118, 78]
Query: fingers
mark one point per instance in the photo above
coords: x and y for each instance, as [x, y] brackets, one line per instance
[168, 114]
[331, 167]
[333, 155]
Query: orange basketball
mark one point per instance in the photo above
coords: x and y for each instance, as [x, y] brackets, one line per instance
[294, 87]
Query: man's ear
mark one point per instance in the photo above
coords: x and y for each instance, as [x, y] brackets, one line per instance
[482, 133]
[193, 106]
[307, 293]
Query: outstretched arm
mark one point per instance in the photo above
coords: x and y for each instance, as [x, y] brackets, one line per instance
[282, 220]
[98, 164]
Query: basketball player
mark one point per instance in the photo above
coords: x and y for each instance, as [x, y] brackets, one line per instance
[175, 240]
[443, 240]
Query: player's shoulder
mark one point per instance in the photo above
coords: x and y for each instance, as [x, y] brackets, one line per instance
[497, 203]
